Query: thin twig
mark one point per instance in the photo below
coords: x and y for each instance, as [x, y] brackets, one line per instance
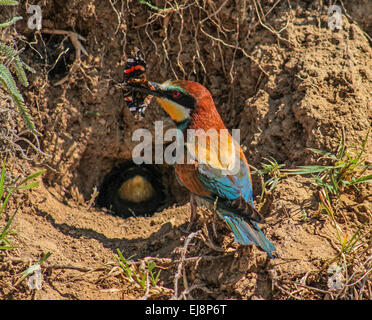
[180, 267]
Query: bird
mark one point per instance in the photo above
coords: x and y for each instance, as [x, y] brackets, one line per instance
[227, 184]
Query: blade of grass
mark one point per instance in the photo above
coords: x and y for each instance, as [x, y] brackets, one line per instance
[32, 176]
[324, 153]
[366, 179]
[354, 239]
[310, 169]
[32, 269]
[30, 186]
[7, 226]
[2, 180]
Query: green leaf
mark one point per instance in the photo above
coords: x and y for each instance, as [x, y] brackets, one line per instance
[10, 22]
[29, 271]
[334, 182]
[2, 180]
[363, 145]
[365, 179]
[310, 169]
[28, 68]
[6, 79]
[324, 153]
[16, 61]
[32, 176]
[7, 226]
[30, 186]
[8, 247]
[356, 236]
[32, 269]
[8, 3]
[150, 5]
[274, 183]
[5, 201]
[143, 282]
[45, 257]
[157, 277]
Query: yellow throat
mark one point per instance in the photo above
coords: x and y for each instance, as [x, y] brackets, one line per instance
[177, 112]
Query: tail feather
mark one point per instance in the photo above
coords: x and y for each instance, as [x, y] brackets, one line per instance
[246, 232]
[249, 233]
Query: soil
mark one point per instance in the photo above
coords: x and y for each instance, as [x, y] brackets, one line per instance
[288, 82]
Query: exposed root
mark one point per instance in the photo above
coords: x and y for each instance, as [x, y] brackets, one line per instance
[181, 266]
[75, 40]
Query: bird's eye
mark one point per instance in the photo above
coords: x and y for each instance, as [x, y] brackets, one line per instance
[175, 94]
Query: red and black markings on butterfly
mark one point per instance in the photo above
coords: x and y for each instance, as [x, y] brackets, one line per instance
[134, 74]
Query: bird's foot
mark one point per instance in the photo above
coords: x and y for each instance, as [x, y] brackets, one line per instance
[206, 236]
[214, 218]
[193, 219]
[194, 213]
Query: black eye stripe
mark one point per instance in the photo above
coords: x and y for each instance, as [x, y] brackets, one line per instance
[182, 98]
[172, 95]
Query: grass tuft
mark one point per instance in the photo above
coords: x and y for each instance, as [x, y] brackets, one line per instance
[5, 194]
[142, 275]
[347, 169]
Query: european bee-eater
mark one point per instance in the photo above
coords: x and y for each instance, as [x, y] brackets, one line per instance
[226, 183]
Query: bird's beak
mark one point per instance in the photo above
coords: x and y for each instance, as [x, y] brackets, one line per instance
[155, 89]
[177, 112]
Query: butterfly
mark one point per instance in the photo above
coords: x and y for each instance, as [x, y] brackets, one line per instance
[134, 75]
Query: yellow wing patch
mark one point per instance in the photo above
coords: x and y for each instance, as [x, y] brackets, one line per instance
[214, 148]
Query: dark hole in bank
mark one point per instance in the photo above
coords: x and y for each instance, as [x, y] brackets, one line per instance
[55, 53]
[132, 190]
[61, 55]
